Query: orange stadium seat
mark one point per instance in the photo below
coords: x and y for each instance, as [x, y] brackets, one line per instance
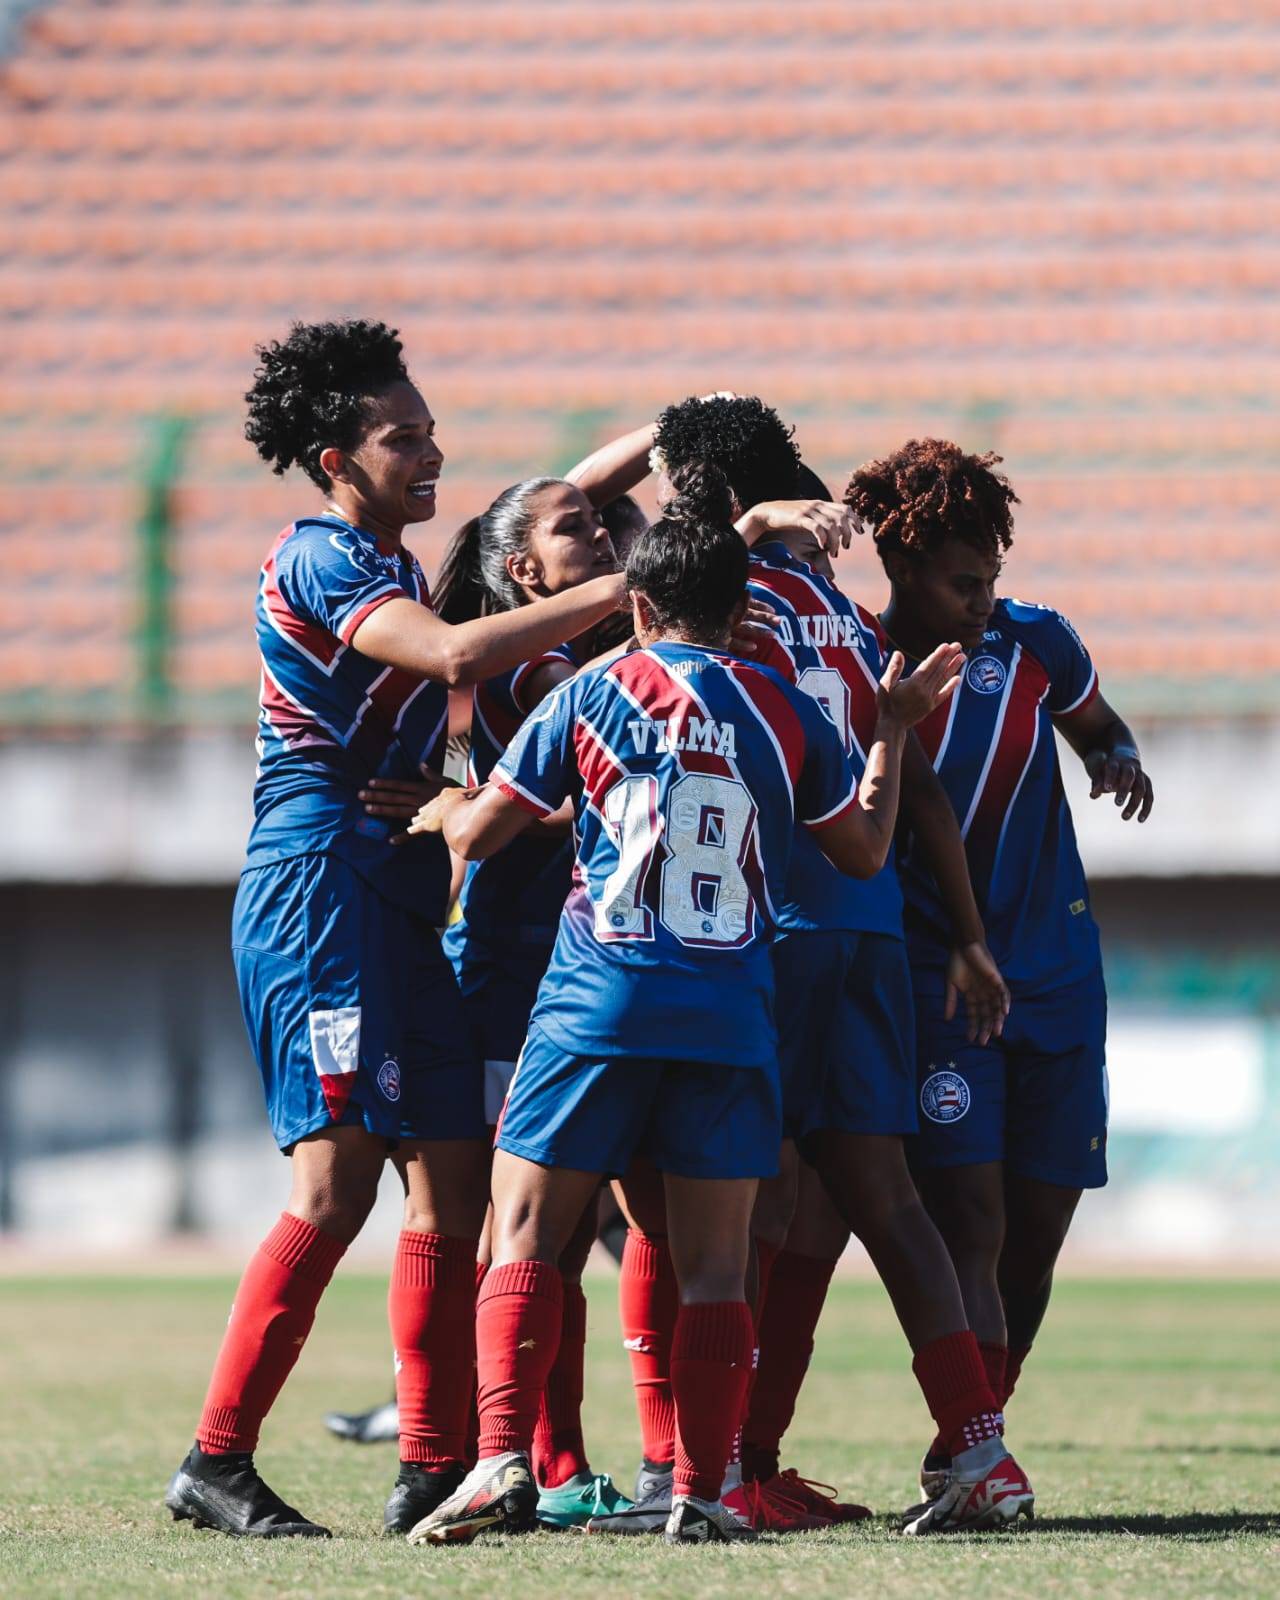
[1049, 229]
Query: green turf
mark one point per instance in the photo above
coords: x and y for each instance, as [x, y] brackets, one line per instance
[1149, 1422]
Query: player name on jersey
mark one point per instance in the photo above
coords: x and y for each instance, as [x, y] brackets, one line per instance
[693, 733]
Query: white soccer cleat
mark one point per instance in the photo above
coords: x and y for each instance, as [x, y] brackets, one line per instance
[989, 1492]
[695, 1521]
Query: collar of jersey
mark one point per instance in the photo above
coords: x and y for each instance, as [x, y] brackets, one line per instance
[379, 544]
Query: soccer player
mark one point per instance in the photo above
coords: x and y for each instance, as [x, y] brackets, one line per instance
[844, 1014]
[1014, 1128]
[688, 768]
[354, 1013]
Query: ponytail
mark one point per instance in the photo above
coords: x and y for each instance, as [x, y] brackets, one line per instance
[691, 565]
[473, 580]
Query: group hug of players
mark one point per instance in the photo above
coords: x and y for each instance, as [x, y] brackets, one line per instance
[773, 916]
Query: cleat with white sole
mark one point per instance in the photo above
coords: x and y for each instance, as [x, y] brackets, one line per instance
[694, 1521]
[498, 1495]
[990, 1491]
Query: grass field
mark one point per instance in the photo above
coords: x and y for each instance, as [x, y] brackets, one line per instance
[1149, 1423]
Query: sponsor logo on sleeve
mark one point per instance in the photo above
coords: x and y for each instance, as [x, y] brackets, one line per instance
[944, 1096]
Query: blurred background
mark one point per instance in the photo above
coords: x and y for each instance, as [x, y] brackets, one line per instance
[1049, 230]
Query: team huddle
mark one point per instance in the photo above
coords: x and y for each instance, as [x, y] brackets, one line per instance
[771, 917]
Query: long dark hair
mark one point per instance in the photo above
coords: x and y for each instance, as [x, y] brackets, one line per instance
[691, 565]
[473, 580]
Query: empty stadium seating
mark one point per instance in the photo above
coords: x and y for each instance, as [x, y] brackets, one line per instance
[1053, 230]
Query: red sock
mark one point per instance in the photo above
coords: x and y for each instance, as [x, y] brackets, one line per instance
[274, 1308]
[995, 1359]
[1012, 1371]
[471, 1445]
[431, 1307]
[648, 1303]
[797, 1292]
[954, 1380]
[710, 1369]
[558, 1451]
[517, 1332]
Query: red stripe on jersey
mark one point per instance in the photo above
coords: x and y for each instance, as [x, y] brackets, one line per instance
[598, 765]
[807, 601]
[664, 696]
[294, 725]
[352, 623]
[385, 699]
[1016, 740]
[501, 724]
[308, 637]
[932, 729]
[776, 712]
[520, 677]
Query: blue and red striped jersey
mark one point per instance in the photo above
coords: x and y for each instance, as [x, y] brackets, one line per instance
[513, 898]
[993, 747]
[330, 718]
[689, 770]
[829, 647]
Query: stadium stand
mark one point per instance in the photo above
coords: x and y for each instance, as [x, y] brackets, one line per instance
[1052, 230]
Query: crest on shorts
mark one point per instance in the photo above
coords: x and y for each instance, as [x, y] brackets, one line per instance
[389, 1079]
[944, 1097]
[986, 675]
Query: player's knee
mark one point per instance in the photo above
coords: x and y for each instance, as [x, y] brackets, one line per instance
[338, 1211]
[971, 1221]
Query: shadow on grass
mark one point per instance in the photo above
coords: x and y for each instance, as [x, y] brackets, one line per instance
[1187, 1525]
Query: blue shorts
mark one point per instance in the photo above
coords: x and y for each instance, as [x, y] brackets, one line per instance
[353, 1012]
[846, 1033]
[1036, 1098]
[498, 990]
[687, 1117]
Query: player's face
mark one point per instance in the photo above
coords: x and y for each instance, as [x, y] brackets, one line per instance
[951, 595]
[568, 544]
[395, 466]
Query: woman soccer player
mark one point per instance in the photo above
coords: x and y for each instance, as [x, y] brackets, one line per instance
[653, 1029]
[845, 1013]
[1014, 1128]
[354, 1013]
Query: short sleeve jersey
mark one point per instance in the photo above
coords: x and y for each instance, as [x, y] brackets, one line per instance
[689, 770]
[829, 647]
[993, 747]
[330, 718]
[514, 898]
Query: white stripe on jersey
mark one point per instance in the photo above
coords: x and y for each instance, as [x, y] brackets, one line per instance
[995, 737]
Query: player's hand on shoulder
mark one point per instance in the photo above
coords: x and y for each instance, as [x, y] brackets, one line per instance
[1119, 772]
[973, 973]
[935, 680]
[754, 630]
[824, 524]
[431, 817]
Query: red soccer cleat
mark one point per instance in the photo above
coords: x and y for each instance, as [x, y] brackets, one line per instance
[768, 1509]
[818, 1499]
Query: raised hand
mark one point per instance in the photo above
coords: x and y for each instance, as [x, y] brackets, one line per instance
[829, 525]
[935, 680]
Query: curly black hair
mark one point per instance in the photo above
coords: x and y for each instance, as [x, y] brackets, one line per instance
[929, 491]
[312, 390]
[745, 438]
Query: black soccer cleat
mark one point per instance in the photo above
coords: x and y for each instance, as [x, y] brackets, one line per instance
[416, 1495]
[379, 1425]
[226, 1494]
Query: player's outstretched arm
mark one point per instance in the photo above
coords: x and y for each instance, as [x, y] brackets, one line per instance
[858, 841]
[811, 530]
[404, 634]
[972, 970]
[475, 822]
[1106, 745]
[616, 467]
